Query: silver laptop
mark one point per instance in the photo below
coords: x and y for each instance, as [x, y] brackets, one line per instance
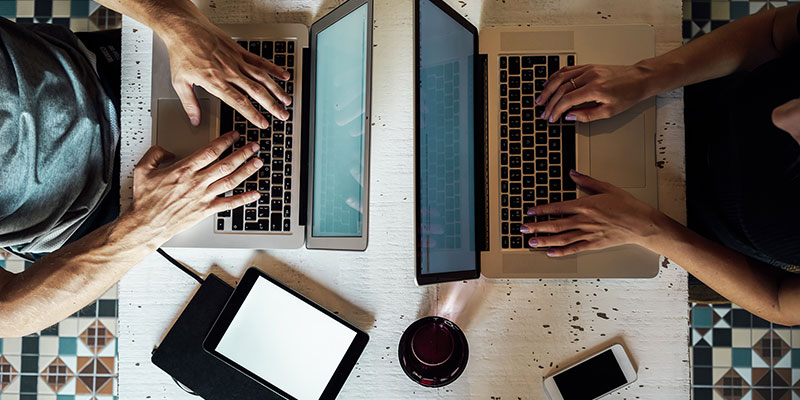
[483, 155]
[314, 184]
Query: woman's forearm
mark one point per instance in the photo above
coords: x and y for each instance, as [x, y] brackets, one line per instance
[740, 45]
[770, 294]
[66, 280]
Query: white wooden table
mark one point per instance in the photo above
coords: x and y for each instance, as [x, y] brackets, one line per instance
[518, 330]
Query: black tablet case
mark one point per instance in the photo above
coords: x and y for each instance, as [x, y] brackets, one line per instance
[182, 356]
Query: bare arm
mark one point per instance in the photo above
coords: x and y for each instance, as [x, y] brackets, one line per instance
[203, 55]
[612, 217]
[741, 45]
[166, 201]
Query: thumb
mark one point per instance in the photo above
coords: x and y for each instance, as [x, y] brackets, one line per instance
[586, 182]
[589, 114]
[154, 157]
[189, 101]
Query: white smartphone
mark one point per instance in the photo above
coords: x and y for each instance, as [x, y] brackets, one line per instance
[592, 378]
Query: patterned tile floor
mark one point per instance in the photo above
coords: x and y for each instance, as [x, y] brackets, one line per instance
[734, 355]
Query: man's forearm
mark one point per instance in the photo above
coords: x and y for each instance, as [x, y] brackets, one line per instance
[770, 294]
[165, 17]
[66, 280]
[741, 45]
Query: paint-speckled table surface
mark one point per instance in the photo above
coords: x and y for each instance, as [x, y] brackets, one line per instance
[518, 330]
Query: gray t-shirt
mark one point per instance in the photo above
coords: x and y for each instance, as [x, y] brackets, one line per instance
[58, 136]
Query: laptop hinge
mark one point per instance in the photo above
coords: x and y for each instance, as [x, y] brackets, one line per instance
[304, 136]
[481, 153]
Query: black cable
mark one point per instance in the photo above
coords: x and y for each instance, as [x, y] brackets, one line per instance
[180, 266]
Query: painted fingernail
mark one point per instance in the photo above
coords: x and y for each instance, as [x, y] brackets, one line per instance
[533, 242]
[574, 173]
[538, 99]
[551, 252]
[571, 117]
[523, 229]
[194, 121]
[531, 211]
[550, 120]
[542, 115]
[258, 163]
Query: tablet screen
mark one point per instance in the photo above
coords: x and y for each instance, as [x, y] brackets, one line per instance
[285, 341]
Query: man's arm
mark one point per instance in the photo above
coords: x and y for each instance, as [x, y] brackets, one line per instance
[202, 54]
[166, 201]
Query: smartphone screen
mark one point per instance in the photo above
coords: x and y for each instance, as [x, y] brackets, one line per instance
[592, 378]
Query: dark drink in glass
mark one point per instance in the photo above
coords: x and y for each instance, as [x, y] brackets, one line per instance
[433, 351]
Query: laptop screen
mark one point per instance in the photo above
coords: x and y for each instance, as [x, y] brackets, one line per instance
[340, 102]
[446, 144]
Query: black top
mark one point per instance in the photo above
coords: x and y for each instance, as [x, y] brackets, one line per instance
[743, 173]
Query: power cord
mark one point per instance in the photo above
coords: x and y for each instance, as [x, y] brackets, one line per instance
[180, 266]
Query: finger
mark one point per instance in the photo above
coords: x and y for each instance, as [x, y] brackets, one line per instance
[266, 65]
[258, 74]
[207, 155]
[228, 203]
[240, 103]
[189, 101]
[578, 96]
[556, 226]
[588, 183]
[584, 245]
[227, 166]
[554, 100]
[563, 239]
[556, 80]
[154, 156]
[262, 96]
[231, 181]
[560, 208]
[589, 114]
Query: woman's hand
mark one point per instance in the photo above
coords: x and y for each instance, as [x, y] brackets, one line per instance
[202, 54]
[170, 200]
[609, 217]
[604, 90]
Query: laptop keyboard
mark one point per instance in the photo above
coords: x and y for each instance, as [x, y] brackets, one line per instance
[273, 211]
[535, 155]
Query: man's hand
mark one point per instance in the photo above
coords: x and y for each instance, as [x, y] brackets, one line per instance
[605, 90]
[610, 217]
[202, 54]
[172, 199]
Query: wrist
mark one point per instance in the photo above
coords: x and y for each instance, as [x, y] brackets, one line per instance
[653, 77]
[663, 232]
[177, 22]
[139, 228]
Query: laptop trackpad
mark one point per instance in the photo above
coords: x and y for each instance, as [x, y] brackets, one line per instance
[176, 134]
[618, 150]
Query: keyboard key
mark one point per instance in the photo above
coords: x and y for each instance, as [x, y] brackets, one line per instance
[514, 82]
[503, 131]
[568, 137]
[503, 117]
[515, 175]
[528, 181]
[226, 213]
[528, 168]
[541, 191]
[503, 62]
[277, 178]
[504, 214]
[553, 131]
[541, 138]
[266, 50]
[527, 115]
[541, 179]
[255, 48]
[516, 161]
[237, 222]
[514, 95]
[251, 226]
[555, 158]
[516, 188]
[515, 135]
[513, 109]
[541, 151]
[555, 171]
[570, 196]
[527, 128]
[263, 212]
[287, 198]
[541, 165]
[513, 65]
[290, 61]
[504, 200]
[504, 173]
[553, 64]
[280, 47]
[514, 122]
[503, 144]
[263, 224]
[503, 90]
[504, 104]
[541, 125]
[504, 159]
[527, 88]
[528, 194]
[277, 191]
[527, 155]
[516, 202]
[288, 155]
[504, 228]
[504, 186]
[287, 212]
[290, 47]
[287, 184]
[527, 62]
[287, 225]
[527, 75]
[503, 76]
[250, 215]
[540, 71]
[527, 102]
[220, 224]
[527, 141]
[514, 148]
[554, 145]
[516, 215]
[539, 84]
[277, 152]
[242, 43]
[504, 241]
[555, 185]
[570, 61]
[264, 199]
[263, 186]
[515, 228]
[275, 222]
[555, 197]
